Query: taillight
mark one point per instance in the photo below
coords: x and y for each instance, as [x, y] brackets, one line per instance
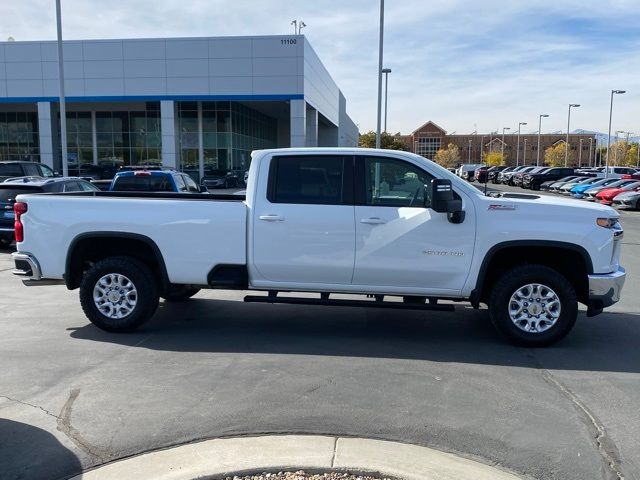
[19, 208]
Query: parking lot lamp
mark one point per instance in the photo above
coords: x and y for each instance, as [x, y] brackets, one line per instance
[386, 72]
[524, 153]
[566, 143]
[63, 105]
[502, 150]
[590, 149]
[380, 73]
[542, 115]
[518, 145]
[469, 161]
[613, 92]
[580, 154]
[481, 148]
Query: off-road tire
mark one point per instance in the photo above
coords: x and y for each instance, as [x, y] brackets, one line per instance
[510, 282]
[140, 276]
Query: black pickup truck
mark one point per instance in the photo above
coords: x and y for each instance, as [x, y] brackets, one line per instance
[534, 180]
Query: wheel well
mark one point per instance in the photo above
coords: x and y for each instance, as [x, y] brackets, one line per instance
[569, 262]
[87, 250]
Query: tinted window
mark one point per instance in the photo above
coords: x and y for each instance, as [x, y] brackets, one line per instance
[31, 170]
[87, 187]
[45, 171]
[180, 185]
[7, 194]
[71, 187]
[10, 170]
[143, 183]
[309, 180]
[191, 185]
[394, 183]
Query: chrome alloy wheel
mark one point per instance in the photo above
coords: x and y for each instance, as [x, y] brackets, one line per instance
[115, 296]
[534, 308]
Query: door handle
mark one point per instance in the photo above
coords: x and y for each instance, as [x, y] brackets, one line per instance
[373, 221]
[271, 218]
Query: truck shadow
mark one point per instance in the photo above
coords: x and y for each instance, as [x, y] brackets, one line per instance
[609, 342]
[30, 452]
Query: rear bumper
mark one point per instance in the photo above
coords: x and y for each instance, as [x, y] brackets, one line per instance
[28, 268]
[604, 289]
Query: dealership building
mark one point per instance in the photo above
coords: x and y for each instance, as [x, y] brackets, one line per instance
[188, 103]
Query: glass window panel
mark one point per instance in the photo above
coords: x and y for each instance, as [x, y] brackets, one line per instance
[394, 183]
[315, 180]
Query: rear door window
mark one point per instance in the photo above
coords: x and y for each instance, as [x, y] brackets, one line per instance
[10, 170]
[305, 179]
[31, 169]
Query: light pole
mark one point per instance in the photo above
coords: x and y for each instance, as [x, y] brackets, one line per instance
[524, 153]
[469, 161]
[613, 92]
[518, 146]
[502, 149]
[386, 72]
[380, 72]
[566, 143]
[481, 148]
[590, 148]
[542, 115]
[580, 154]
[615, 161]
[63, 105]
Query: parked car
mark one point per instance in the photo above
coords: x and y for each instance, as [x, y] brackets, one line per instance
[616, 172]
[154, 181]
[493, 172]
[591, 193]
[465, 168]
[607, 195]
[579, 191]
[102, 171]
[534, 179]
[551, 184]
[517, 179]
[632, 176]
[310, 223]
[471, 175]
[19, 168]
[626, 200]
[568, 186]
[220, 179]
[12, 187]
[505, 175]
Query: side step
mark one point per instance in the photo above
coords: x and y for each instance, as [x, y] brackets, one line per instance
[271, 298]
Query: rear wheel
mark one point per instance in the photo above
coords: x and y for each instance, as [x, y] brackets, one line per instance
[119, 294]
[638, 204]
[180, 293]
[533, 306]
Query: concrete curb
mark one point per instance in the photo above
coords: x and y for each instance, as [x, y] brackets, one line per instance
[279, 452]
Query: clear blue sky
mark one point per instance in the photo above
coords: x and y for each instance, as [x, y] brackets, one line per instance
[461, 63]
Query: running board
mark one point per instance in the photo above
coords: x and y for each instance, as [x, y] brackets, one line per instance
[348, 303]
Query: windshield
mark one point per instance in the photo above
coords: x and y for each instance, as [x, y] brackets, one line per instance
[142, 183]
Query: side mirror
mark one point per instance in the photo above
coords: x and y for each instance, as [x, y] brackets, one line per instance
[444, 201]
[204, 189]
[483, 176]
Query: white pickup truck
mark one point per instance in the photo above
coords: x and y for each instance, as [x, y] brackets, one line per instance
[375, 223]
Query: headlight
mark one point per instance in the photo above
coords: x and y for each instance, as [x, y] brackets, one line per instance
[611, 223]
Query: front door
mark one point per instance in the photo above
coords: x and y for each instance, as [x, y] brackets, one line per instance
[399, 241]
[304, 231]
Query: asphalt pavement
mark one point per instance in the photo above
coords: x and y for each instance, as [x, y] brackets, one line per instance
[73, 396]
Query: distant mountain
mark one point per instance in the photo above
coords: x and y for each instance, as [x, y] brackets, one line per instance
[602, 137]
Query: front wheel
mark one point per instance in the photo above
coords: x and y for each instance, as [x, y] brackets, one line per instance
[119, 294]
[533, 306]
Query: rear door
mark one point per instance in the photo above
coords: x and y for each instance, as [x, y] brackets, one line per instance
[303, 226]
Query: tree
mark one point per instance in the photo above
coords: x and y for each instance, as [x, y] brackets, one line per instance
[388, 141]
[554, 156]
[448, 157]
[631, 159]
[618, 153]
[493, 159]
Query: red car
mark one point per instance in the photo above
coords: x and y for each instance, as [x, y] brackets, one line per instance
[631, 176]
[607, 195]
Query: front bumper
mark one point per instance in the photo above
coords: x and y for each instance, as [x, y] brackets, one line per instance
[605, 288]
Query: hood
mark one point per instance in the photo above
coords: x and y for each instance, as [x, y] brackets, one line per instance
[526, 202]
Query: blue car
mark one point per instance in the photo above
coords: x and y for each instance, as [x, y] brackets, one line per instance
[578, 190]
[154, 181]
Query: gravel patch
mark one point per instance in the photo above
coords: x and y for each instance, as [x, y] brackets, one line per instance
[302, 475]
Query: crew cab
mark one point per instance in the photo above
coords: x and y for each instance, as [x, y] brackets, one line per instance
[374, 223]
